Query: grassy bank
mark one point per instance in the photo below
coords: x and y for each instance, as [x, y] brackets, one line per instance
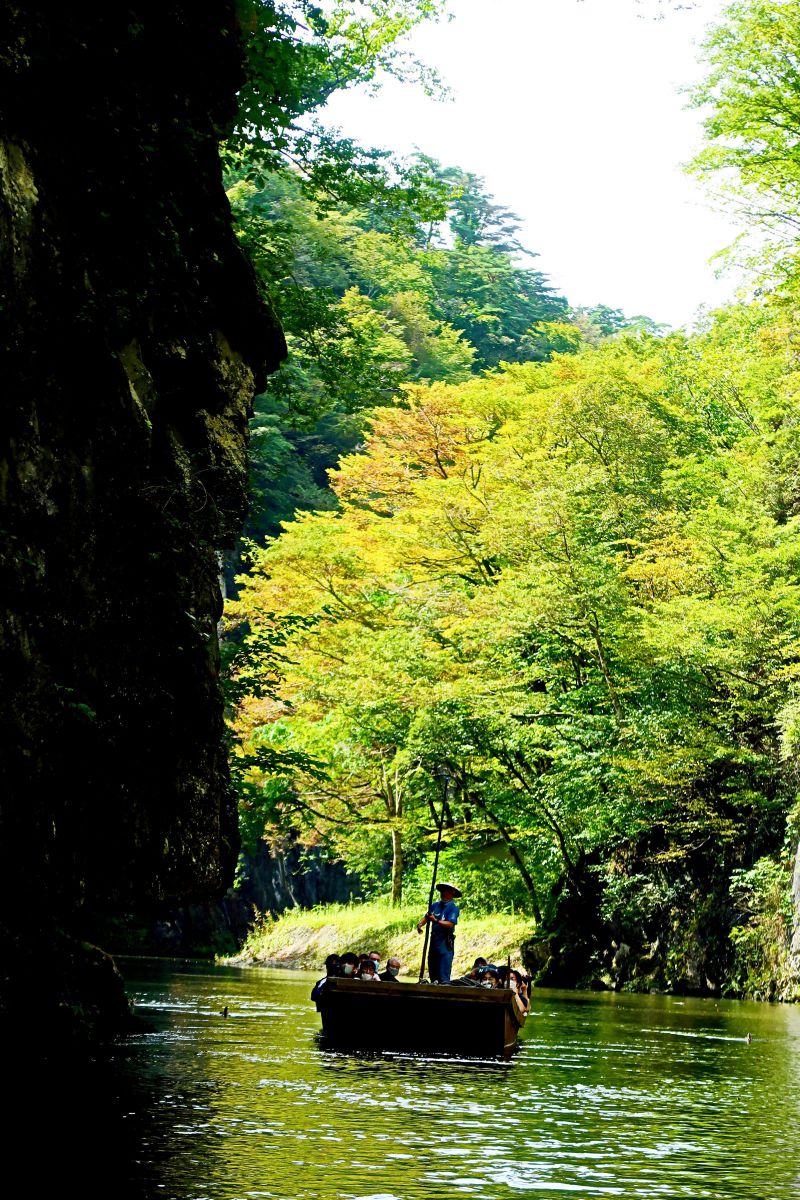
[302, 938]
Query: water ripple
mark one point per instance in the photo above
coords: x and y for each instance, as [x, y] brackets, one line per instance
[609, 1096]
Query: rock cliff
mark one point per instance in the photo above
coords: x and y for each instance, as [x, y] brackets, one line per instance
[134, 339]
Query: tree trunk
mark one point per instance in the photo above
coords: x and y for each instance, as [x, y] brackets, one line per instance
[392, 787]
[604, 667]
[796, 907]
[516, 857]
[397, 868]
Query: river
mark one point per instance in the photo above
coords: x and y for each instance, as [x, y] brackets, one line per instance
[609, 1095]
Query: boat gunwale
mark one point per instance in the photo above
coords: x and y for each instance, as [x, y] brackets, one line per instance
[430, 992]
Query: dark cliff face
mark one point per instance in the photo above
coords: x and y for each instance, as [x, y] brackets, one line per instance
[133, 341]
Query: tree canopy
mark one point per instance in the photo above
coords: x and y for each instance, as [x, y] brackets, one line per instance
[551, 549]
[564, 581]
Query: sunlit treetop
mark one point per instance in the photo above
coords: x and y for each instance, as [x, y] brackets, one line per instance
[300, 53]
[751, 95]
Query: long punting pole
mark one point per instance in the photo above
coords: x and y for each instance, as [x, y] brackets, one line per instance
[433, 880]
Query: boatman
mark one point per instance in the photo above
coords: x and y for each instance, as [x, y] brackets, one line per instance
[442, 918]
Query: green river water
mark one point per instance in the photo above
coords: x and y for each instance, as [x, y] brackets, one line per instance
[609, 1095]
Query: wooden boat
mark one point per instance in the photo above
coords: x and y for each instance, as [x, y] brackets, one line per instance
[421, 1017]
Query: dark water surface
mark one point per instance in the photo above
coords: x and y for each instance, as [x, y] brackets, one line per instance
[610, 1095]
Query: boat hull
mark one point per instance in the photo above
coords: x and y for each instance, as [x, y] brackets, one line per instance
[420, 1018]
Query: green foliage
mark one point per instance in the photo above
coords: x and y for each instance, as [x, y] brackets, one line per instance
[262, 773]
[751, 95]
[762, 937]
[366, 311]
[565, 582]
[553, 550]
[633, 900]
[489, 882]
[299, 53]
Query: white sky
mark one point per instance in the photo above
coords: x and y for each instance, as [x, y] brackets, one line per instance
[570, 111]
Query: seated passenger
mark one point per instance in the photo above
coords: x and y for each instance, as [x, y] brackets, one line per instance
[331, 970]
[376, 958]
[472, 978]
[488, 976]
[520, 986]
[479, 962]
[366, 970]
[468, 980]
[392, 970]
[348, 964]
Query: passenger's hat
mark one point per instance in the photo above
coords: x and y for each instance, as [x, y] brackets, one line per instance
[452, 887]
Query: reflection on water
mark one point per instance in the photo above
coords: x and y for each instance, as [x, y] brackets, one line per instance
[632, 1096]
